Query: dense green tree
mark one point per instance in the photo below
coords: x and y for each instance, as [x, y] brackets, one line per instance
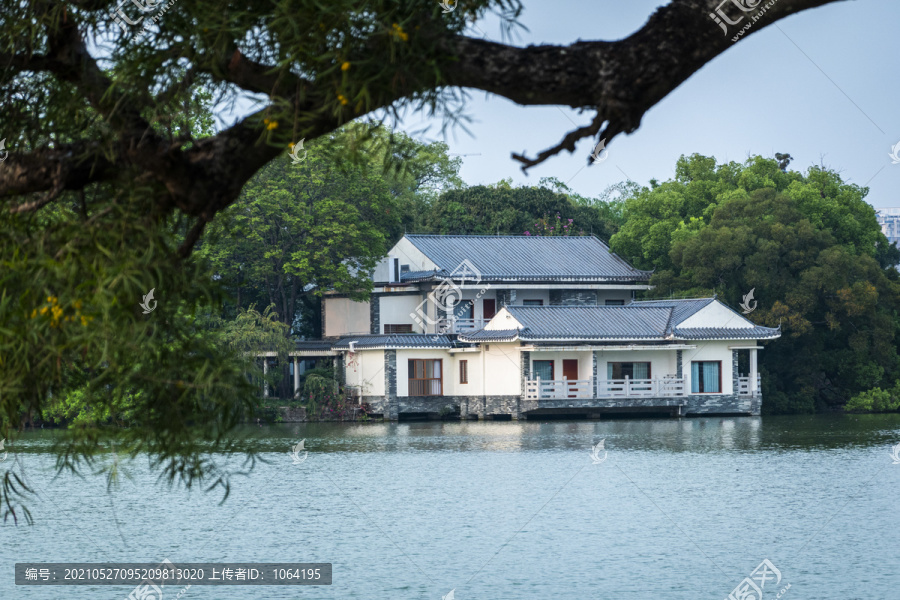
[508, 210]
[300, 229]
[810, 247]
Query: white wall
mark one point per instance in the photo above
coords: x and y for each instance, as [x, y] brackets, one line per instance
[365, 369]
[395, 310]
[502, 320]
[344, 316]
[715, 314]
[662, 362]
[717, 351]
[584, 358]
[503, 370]
[408, 255]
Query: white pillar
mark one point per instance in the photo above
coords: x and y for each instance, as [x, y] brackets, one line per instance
[296, 377]
[753, 371]
[265, 370]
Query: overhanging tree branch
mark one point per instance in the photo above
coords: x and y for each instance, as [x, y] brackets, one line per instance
[617, 81]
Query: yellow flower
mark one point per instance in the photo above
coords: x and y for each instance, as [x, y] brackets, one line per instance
[272, 125]
[343, 100]
[44, 310]
[84, 321]
[345, 66]
[399, 33]
[34, 313]
[77, 304]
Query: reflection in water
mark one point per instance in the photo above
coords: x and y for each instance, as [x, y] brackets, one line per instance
[503, 510]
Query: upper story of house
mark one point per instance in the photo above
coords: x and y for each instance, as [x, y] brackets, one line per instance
[457, 283]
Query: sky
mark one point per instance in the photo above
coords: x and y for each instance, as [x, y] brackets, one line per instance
[821, 85]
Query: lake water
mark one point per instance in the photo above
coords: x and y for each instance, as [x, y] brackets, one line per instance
[679, 509]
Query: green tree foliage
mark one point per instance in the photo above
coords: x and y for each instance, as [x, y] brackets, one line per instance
[251, 332]
[502, 208]
[71, 281]
[876, 400]
[810, 247]
[554, 227]
[323, 223]
[299, 229]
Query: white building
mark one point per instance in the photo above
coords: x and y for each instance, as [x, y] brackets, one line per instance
[518, 326]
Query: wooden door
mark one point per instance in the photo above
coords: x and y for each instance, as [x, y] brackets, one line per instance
[570, 372]
[490, 309]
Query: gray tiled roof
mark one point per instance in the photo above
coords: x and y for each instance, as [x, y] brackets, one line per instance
[591, 322]
[528, 258]
[411, 276]
[682, 309]
[397, 340]
[647, 321]
[490, 335]
[728, 333]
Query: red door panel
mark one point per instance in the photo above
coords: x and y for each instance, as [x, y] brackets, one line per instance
[570, 372]
[490, 309]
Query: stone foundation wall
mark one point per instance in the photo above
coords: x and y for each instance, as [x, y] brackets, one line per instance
[483, 406]
[466, 406]
[471, 407]
[699, 405]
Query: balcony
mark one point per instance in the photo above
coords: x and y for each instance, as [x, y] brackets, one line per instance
[454, 325]
[538, 389]
[664, 387]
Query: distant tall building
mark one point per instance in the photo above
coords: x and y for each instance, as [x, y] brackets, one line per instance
[889, 219]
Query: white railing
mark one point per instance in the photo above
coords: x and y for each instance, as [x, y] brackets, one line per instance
[463, 325]
[542, 389]
[744, 385]
[627, 388]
